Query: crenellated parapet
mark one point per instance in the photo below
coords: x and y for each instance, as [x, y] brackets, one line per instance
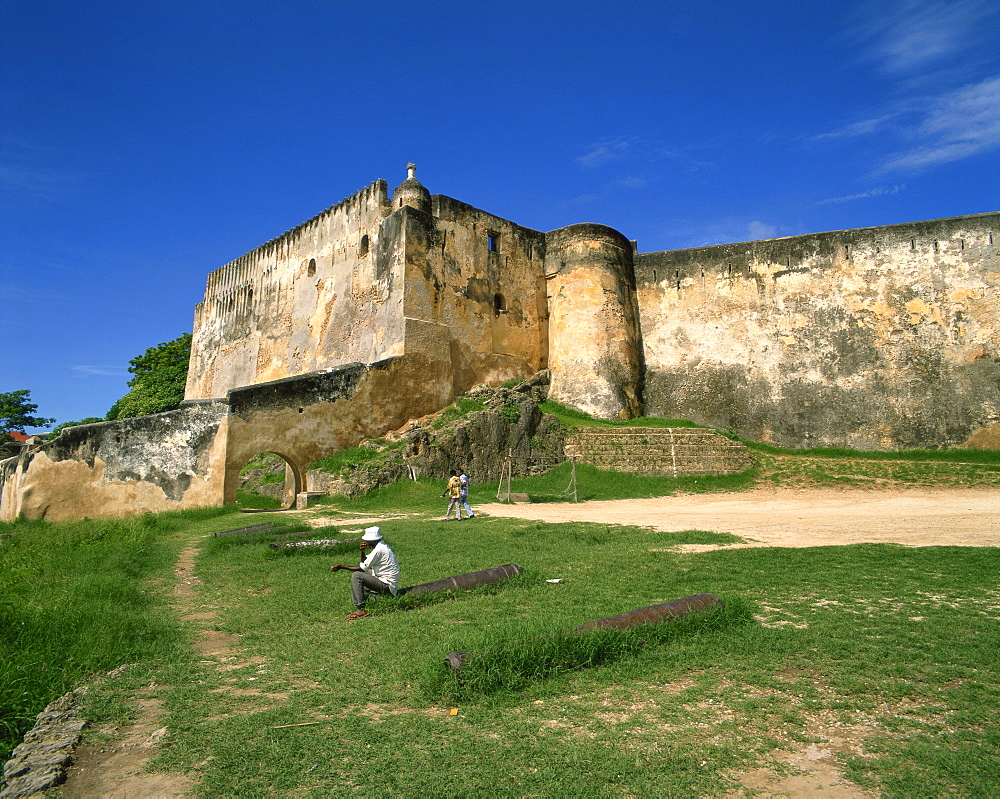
[266, 315]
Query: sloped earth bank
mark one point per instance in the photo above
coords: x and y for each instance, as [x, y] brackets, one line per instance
[763, 517]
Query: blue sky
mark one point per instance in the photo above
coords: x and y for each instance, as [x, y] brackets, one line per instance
[145, 143]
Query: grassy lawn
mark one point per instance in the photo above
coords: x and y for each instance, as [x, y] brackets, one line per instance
[890, 648]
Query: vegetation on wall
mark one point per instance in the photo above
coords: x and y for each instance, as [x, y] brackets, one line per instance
[63, 425]
[160, 376]
[571, 417]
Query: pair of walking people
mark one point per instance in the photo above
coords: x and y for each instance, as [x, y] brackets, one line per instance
[458, 495]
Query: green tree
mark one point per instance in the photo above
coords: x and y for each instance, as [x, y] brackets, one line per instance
[16, 411]
[160, 375]
[63, 425]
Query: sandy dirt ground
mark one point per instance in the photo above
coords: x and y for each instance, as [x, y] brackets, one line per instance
[919, 517]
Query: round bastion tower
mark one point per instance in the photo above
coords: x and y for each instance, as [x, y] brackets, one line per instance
[595, 341]
[411, 192]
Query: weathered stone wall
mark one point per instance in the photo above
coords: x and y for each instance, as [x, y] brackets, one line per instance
[873, 338]
[327, 293]
[672, 451]
[492, 301]
[345, 287]
[595, 344]
[166, 461]
[303, 419]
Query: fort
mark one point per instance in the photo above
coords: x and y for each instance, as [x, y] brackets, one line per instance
[385, 307]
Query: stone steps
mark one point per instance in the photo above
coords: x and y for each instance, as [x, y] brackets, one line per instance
[671, 451]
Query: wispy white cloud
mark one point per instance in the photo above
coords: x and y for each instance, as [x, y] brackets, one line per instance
[22, 178]
[101, 371]
[910, 36]
[606, 151]
[639, 152]
[957, 125]
[705, 233]
[864, 127]
[930, 130]
[630, 182]
[880, 191]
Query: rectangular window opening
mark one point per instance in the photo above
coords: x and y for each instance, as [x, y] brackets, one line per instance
[493, 242]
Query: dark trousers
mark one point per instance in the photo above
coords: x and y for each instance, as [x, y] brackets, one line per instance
[362, 584]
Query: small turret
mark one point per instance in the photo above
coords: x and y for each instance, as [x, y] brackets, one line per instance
[411, 192]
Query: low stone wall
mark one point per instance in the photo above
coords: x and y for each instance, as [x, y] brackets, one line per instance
[161, 462]
[655, 450]
[39, 762]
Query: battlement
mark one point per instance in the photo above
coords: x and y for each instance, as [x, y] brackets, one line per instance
[363, 204]
[949, 239]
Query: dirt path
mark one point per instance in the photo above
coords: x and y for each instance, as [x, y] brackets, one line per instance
[115, 769]
[771, 517]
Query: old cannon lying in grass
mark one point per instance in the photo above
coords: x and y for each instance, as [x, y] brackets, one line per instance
[677, 608]
[465, 581]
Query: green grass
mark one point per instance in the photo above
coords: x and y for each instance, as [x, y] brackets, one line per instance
[899, 644]
[459, 409]
[594, 483]
[345, 460]
[892, 648]
[570, 417]
[826, 470]
[951, 455]
[79, 598]
[254, 501]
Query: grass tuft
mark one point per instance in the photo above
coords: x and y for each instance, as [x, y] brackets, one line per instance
[509, 666]
[571, 417]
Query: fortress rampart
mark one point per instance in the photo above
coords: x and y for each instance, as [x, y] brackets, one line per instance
[316, 297]
[874, 338]
[382, 309]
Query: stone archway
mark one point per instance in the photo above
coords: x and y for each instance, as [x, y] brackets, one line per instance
[263, 479]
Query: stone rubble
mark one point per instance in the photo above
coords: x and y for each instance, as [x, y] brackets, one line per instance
[39, 762]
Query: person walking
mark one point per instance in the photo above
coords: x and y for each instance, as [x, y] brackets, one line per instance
[378, 572]
[463, 493]
[454, 493]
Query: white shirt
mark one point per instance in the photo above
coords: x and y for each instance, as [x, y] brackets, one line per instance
[381, 564]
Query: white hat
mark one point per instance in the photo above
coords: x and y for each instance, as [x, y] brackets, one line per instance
[372, 534]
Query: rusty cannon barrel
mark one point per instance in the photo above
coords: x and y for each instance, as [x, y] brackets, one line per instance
[465, 581]
[675, 609]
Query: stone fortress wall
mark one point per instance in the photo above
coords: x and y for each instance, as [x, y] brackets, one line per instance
[875, 338]
[324, 294]
[383, 309]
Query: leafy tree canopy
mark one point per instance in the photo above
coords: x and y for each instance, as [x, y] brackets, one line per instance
[63, 425]
[16, 411]
[160, 376]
